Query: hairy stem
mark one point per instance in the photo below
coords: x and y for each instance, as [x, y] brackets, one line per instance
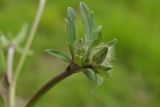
[10, 57]
[27, 47]
[50, 84]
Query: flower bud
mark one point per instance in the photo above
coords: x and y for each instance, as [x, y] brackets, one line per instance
[100, 55]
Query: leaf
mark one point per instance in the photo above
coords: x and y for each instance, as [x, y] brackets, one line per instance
[104, 70]
[90, 74]
[91, 32]
[98, 40]
[4, 42]
[99, 79]
[105, 74]
[71, 30]
[21, 35]
[58, 54]
[97, 32]
[2, 61]
[93, 76]
[87, 21]
[92, 19]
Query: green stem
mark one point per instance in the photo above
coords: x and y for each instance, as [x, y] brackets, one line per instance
[26, 49]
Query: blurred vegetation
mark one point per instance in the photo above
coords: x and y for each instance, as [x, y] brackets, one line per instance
[135, 78]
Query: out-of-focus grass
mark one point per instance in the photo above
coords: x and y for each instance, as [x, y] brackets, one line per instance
[135, 79]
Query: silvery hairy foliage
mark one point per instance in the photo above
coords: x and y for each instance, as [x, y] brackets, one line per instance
[88, 52]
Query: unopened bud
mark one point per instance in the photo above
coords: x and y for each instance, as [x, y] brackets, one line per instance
[100, 55]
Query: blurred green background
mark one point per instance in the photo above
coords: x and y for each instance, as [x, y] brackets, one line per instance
[135, 79]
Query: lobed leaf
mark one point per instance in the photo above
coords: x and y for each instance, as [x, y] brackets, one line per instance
[58, 54]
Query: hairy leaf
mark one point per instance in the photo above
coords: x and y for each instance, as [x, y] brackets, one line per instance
[96, 32]
[93, 76]
[71, 30]
[58, 54]
[88, 22]
[95, 42]
[90, 29]
[98, 40]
